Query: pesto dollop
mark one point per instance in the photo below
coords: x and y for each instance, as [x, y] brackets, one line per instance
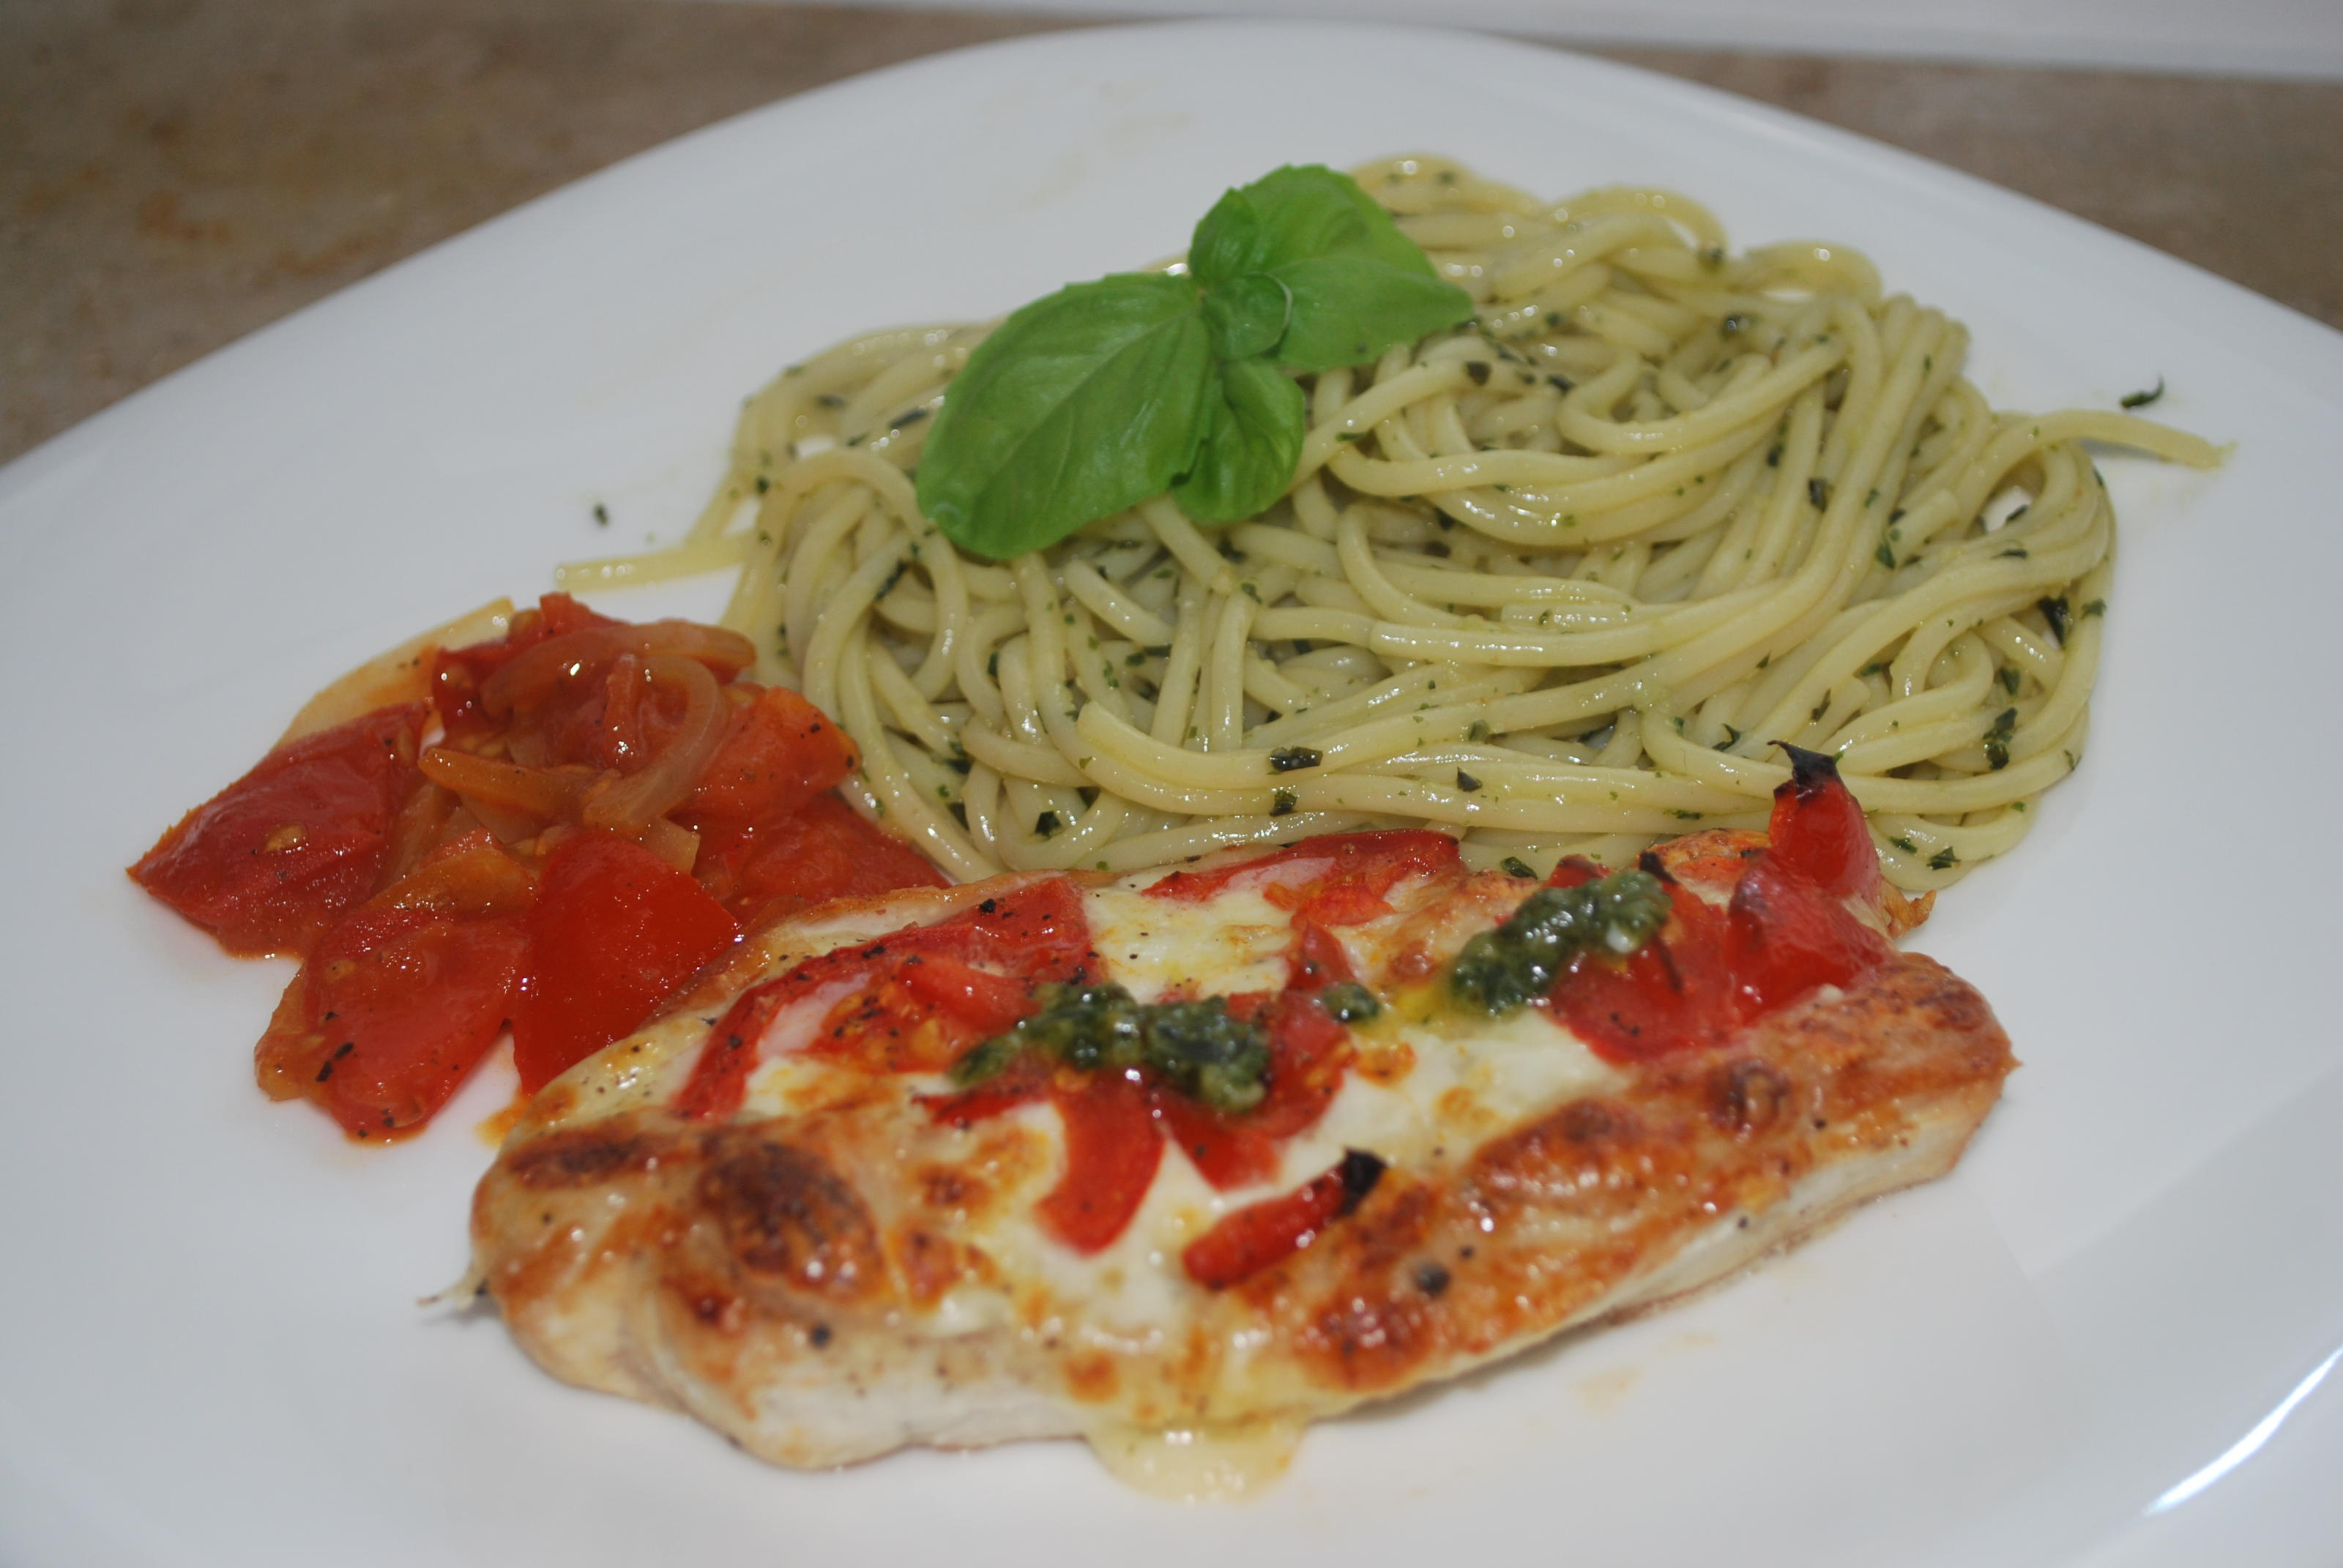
[1513, 965]
[1348, 1001]
[1197, 1048]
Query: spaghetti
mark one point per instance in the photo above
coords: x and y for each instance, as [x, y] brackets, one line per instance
[1556, 580]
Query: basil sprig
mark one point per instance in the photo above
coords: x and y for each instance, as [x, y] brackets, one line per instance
[1107, 394]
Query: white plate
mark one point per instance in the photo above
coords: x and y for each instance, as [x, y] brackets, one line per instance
[2100, 1341]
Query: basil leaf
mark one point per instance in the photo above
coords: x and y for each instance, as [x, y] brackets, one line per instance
[1356, 286]
[1228, 241]
[1254, 433]
[1105, 393]
[1348, 309]
[1247, 315]
[1310, 211]
[1081, 404]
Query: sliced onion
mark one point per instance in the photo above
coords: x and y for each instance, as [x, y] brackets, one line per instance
[531, 676]
[420, 827]
[552, 793]
[628, 804]
[677, 845]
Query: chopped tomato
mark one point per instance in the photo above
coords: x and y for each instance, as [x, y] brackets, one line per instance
[1675, 992]
[1263, 1235]
[1020, 1082]
[457, 673]
[1817, 828]
[267, 863]
[923, 1016]
[780, 753]
[1227, 1152]
[1112, 1152]
[1335, 880]
[980, 1000]
[620, 724]
[1309, 1052]
[404, 994]
[776, 869]
[1574, 871]
[616, 932]
[1317, 958]
[720, 1076]
[1710, 972]
[985, 961]
[1787, 937]
[558, 615]
[1037, 932]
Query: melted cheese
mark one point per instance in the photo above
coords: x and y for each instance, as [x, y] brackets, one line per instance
[1471, 1080]
[1198, 1464]
[1454, 1081]
[1233, 942]
[1443, 1084]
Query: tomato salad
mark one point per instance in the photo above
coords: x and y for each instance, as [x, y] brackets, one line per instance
[554, 831]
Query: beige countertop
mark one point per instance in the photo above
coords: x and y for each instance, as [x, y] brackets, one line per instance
[174, 173]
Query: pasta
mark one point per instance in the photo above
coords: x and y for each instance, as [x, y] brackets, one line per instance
[1556, 580]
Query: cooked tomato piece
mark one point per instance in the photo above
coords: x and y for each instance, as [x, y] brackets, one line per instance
[1317, 958]
[1020, 1082]
[1675, 992]
[1263, 1235]
[558, 615]
[1335, 880]
[1572, 871]
[978, 1000]
[457, 673]
[776, 869]
[405, 993]
[778, 754]
[1037, 932]
[1113, 1149]
[928, 1010]
[1227, 1152]
[1309, 1052]
[1787, 937]
[616, 932]
[1710, 972]
[933, 1003]
[1817, 828]
[1365, 868]
[986, 958]
[267, 863]
[720, 1076]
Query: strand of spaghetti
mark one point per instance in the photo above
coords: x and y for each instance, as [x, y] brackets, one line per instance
[693, 557]
[887, 788]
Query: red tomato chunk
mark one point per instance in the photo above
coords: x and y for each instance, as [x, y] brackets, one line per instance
[616, 932]
[1261, 1235]
[405, 993]
[1786, 934]
[266, 864]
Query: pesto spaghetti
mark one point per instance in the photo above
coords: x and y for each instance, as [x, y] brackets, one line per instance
[1557, 580]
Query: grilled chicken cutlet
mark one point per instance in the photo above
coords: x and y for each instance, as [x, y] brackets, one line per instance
[1227, 1151]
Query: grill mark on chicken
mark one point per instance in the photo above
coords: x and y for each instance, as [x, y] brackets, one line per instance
[586, 1156]
[785, 1214]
